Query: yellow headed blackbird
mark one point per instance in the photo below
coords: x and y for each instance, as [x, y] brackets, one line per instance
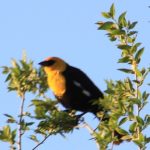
[71, 86]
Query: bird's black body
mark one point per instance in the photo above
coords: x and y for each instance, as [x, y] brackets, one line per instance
[73, 88]
[81, 92]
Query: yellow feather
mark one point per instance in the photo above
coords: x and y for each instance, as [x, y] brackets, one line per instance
[56, 82]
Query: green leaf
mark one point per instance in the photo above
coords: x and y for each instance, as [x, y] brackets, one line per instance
[30, 123]
[140, 120]
[135, 47]
[106, 25]
[5, 69]
[112, 11]
[136, 81]
[121, 20]
[126, 70]
[130, 39]
[9, 116]
[8, 77]
[135, 101]
[10, 119]
[34, 138]
[121, 131]
[131, 26]
[40, 112]
[123, 120]
[140, 141]
[117, 32]
[6, 135]
[147, 120]
[124, 59]
[130, 84]
[122, 16]
[25, 66]
[109, 91]
[111, 37]
[147, 71]
[24, 56]
[138, 73]
[126, 138]
[147, 139]
[124, 47]
[7, 131]
[106, 15]
[132, 33]
[133, 127]
[145, 95]
[139, 54]
[37, 102]
[13, 134]
[143, 70]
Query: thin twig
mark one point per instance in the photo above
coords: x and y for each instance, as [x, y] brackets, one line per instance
[91, 131]
[46, 137]
[12, 147]
[136, 95]
[20, 123]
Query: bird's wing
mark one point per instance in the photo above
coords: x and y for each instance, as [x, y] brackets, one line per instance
[82, 80]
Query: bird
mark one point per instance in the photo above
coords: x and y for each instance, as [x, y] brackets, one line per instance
[71, 86]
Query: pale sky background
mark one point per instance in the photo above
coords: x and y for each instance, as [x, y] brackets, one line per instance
[66, 29]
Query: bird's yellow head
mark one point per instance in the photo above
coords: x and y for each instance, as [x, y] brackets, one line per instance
[53, 64]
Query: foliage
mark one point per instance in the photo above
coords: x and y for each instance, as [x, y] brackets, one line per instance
[124, 100]
[126, 97]
[47, 119]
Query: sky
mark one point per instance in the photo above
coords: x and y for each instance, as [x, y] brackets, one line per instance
[65, 29]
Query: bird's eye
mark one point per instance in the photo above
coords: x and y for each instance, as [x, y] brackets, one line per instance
[50, 62]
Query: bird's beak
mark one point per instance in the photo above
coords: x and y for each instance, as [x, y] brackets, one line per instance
[47, 63]
[43, 63]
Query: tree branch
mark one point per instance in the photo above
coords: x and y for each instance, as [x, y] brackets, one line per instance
[20, 123]
[46, 137]
[91, 131]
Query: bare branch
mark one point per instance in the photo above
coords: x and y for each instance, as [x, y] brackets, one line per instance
[46, 137]
[20, 123]
[91, 131]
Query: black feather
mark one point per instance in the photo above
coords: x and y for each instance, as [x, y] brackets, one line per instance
[81, 92]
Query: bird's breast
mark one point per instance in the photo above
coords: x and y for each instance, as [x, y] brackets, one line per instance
[57, 83]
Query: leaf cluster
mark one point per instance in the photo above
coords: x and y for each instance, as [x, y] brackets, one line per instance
[47, 119]
[124, 98]
[7, 135]
[52, 120]
[23, 77]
